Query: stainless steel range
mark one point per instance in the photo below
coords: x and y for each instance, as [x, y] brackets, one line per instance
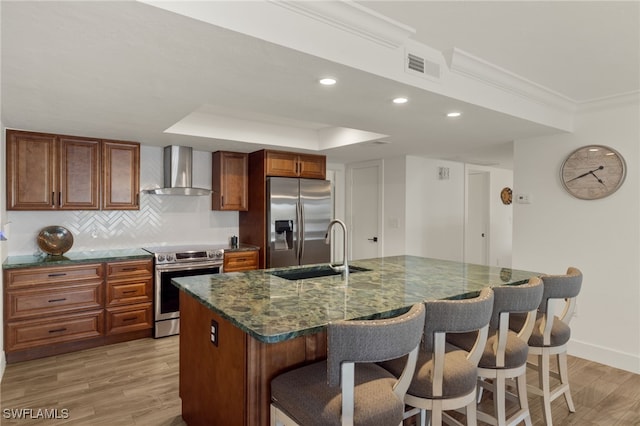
[172, 262]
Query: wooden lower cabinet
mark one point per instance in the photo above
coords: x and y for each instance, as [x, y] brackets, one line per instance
[228, 383]
[53, 330]
[54, 310]
[129, 318]
[235, 261]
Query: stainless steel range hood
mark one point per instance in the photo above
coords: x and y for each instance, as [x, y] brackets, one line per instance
[178, 173]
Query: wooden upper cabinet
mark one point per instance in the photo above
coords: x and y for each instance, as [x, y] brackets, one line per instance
[289, 164]
[51, 172]
[120, 175]
[230, 181]
[56, 172]
[32, 171]
[79, 176]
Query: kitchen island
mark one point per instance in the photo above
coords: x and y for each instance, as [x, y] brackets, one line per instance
[239, 330]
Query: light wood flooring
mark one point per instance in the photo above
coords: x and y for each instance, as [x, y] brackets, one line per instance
[136, 383]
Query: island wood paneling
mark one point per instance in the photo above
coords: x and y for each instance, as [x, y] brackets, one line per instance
[230, 383]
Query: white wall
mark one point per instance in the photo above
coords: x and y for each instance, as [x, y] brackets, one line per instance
[395, 189]
[601, 237]
[425, 215]
[435, 209]
[161, 219]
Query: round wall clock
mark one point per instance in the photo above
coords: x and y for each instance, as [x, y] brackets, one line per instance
[506, 195]
[593, 172]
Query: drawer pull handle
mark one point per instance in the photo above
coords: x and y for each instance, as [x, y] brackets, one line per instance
[130, 319]
[133, 268]
[57, 330]
[129, 291]
[57, 300]
[59, 274]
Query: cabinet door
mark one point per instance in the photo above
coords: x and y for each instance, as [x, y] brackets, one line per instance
[240, 261]
[283, 164]
[121, 175]
[32, 171]
[312, 166]
[230, 181]
[79, 174]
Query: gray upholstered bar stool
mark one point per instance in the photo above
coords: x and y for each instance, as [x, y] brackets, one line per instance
[550, 336]
[505, 353]
[349, 388]
[446, 376]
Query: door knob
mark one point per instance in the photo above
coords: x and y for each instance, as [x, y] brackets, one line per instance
[374, 239]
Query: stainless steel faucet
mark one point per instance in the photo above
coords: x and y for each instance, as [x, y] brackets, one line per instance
[344, 268]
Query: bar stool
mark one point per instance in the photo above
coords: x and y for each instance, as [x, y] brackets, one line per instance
[550, 336]
[446, 376]
[349, 388]
[505, 353]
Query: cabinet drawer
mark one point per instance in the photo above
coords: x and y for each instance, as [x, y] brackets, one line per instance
[64, 328]
[129, 318]
[129, 292]
[15, 278]
[240, 261]
[130, 269]
[58, 299]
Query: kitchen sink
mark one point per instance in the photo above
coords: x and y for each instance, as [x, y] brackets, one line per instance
[313, 272]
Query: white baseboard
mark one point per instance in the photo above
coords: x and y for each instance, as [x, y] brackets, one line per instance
[3, 364]
[607, 356]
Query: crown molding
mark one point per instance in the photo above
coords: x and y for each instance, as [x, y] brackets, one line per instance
[608, 102]
[463, 63]
[354, 18]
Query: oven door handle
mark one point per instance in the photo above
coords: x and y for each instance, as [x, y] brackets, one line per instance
[188, 266]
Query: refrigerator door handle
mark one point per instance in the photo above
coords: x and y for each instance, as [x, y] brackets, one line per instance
[302, 231]
[298, 234]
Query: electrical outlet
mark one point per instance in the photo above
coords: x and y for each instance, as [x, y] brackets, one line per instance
[214, 332]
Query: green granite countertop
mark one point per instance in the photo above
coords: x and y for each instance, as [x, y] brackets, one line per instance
[30, 261]
[273, 309]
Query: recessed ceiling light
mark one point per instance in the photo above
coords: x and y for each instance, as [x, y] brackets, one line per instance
[400, 100]
[454, 114]
[328, 81]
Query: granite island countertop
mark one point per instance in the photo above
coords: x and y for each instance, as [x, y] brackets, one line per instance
[273, 309]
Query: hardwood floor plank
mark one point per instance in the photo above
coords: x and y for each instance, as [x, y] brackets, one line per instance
[136, 383]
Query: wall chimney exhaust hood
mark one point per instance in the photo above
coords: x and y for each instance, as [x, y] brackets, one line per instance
[178, 171]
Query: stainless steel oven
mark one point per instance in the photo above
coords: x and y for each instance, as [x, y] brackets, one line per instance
[174, 262]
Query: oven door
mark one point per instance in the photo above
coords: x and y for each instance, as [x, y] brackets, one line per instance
[167, 296]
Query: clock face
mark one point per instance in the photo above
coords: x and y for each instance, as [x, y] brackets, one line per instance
[593, 172]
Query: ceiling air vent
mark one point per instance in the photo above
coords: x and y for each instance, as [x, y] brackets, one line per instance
[422, 66]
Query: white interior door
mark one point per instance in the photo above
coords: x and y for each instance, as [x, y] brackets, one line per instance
[476, 246]
[364, 206]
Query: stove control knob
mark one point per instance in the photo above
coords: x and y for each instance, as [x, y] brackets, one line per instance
[169, 258]
[219, 254]
[161, 258]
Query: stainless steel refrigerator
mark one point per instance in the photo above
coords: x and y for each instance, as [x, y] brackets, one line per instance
[298, 214]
